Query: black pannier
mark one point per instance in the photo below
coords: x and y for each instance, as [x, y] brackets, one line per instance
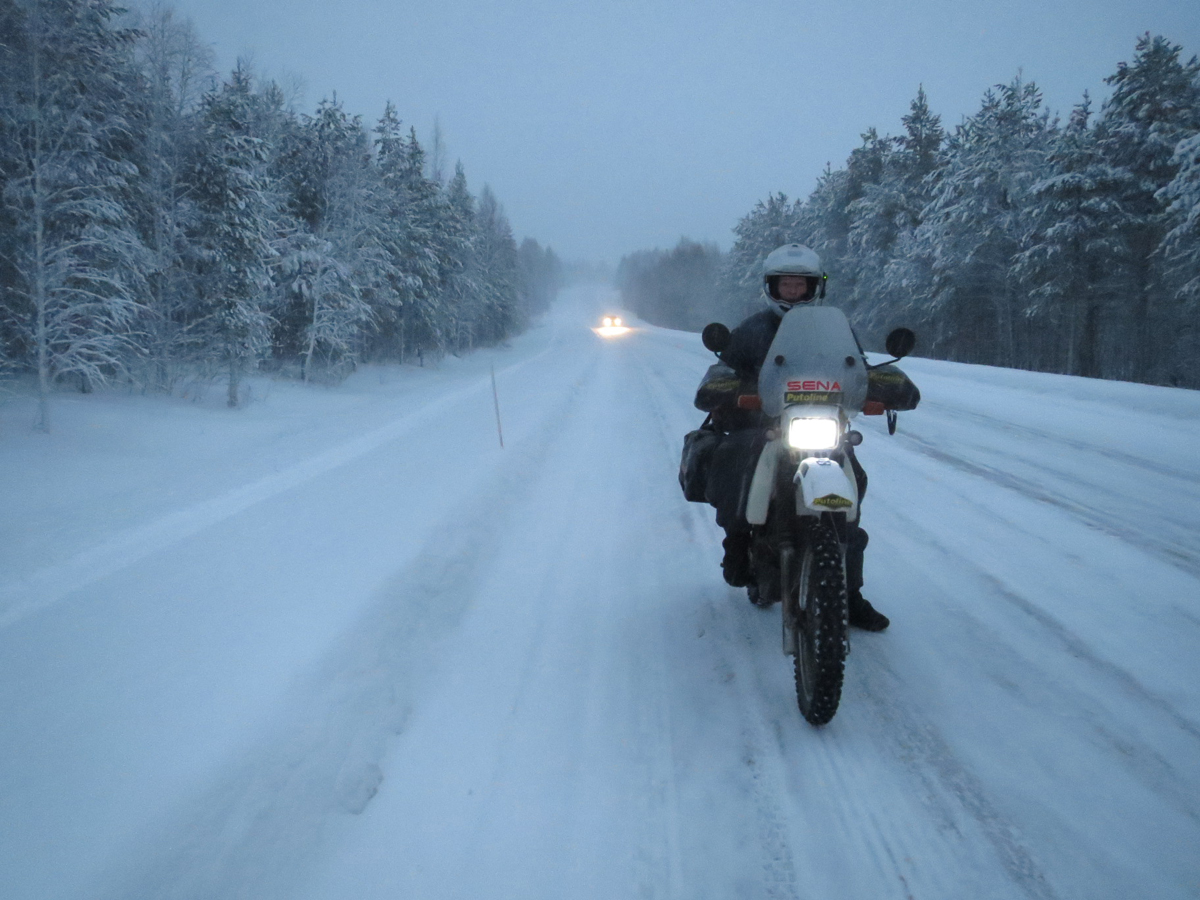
[698, 449]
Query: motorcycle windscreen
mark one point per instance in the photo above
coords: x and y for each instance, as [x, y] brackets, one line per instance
[813, 359]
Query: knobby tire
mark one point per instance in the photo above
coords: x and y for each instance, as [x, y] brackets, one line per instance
[820, 663]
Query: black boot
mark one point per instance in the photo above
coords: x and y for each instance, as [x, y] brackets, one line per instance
[736, 564]
[863, 615]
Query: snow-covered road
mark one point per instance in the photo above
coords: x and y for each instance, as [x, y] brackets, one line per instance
[343, 645]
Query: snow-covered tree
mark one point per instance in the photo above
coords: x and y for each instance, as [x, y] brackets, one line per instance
[540, 272]
[769, 225]
[329, 258]
[76, 264]
[460, 289]
[977, 222]
[232, 231]
[678, 288]
[413, 211]
[896, 276]
[1076, 249]
[1181, 256]
[496, 266]
[176, 69]
[1155, 104]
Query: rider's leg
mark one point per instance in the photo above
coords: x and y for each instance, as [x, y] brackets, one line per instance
[862, 613]
[729, 479]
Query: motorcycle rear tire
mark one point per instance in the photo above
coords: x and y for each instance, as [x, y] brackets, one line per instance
[822, 617]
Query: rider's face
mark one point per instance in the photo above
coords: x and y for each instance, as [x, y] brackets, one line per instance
[792, 288]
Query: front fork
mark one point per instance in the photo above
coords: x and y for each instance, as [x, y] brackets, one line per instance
[790, 599]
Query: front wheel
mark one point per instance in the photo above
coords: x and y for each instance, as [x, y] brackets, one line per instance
[821, 618]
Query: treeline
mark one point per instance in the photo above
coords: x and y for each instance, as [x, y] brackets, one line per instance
[677, 288]
[1016, 239]
[157, 221]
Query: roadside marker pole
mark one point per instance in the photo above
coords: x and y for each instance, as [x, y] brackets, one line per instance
[496, 400]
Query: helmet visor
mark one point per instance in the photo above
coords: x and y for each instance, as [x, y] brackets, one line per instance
[793, 289]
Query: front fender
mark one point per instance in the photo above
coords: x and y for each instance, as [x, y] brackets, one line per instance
[824, 486]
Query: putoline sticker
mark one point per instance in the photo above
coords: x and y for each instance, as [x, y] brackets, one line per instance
[832, 501]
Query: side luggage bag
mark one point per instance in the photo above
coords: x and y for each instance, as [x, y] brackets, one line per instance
[698, 449]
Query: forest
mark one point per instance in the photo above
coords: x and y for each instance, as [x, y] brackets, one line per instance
[159, 222]
[1014, 239]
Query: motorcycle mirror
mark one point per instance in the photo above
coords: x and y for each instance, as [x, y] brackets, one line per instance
[715, 337]
[900, 342]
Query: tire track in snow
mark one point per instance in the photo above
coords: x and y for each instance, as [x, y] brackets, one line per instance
[1152, 769]
[1184, 558]
[885, 841]
[252, 832]
[1009, 426]
[42, 589]
[918, 740]
[764, 767]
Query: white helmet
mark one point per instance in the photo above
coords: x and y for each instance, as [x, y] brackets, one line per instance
[793, 259]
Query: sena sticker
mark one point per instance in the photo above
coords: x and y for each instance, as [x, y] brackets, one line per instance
[832, 501]
[812, 384]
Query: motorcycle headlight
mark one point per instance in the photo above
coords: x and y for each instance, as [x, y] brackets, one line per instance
[813, 433]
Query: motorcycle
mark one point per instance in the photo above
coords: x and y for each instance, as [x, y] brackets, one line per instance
[803, 496]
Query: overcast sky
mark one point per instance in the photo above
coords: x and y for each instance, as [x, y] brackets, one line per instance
[608, 127]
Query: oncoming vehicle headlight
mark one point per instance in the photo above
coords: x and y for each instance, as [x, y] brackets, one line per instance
[608, 322]
[813, 434]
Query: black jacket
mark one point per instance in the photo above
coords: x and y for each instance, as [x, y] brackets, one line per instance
[737, 373]
[749, 343]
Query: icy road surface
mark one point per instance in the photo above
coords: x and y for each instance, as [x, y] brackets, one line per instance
[341, 645]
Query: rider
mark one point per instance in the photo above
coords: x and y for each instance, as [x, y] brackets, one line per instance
[792, 276]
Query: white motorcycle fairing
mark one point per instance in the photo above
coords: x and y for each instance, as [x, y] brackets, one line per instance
[814, 367]
[821, 486]
[758, 501]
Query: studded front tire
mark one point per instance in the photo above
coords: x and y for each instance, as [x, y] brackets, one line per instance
[820, 661]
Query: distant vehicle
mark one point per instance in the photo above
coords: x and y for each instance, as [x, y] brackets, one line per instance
[611, 327]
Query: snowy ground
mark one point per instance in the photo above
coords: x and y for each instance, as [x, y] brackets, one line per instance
[340, 644]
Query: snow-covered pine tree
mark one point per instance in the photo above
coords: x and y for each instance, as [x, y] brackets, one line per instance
[677, 288]
[977, 223]
[496, 260]
[1181, 258]
[769, 225]
[903, 285]
[176, 69]
[332, 251]
[875, 218]
[541, 275]
[416, 321]
[232, 231]
[1155, 104]
[824, 224]
[75, 264]
[458, 273]
[1075, 249]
